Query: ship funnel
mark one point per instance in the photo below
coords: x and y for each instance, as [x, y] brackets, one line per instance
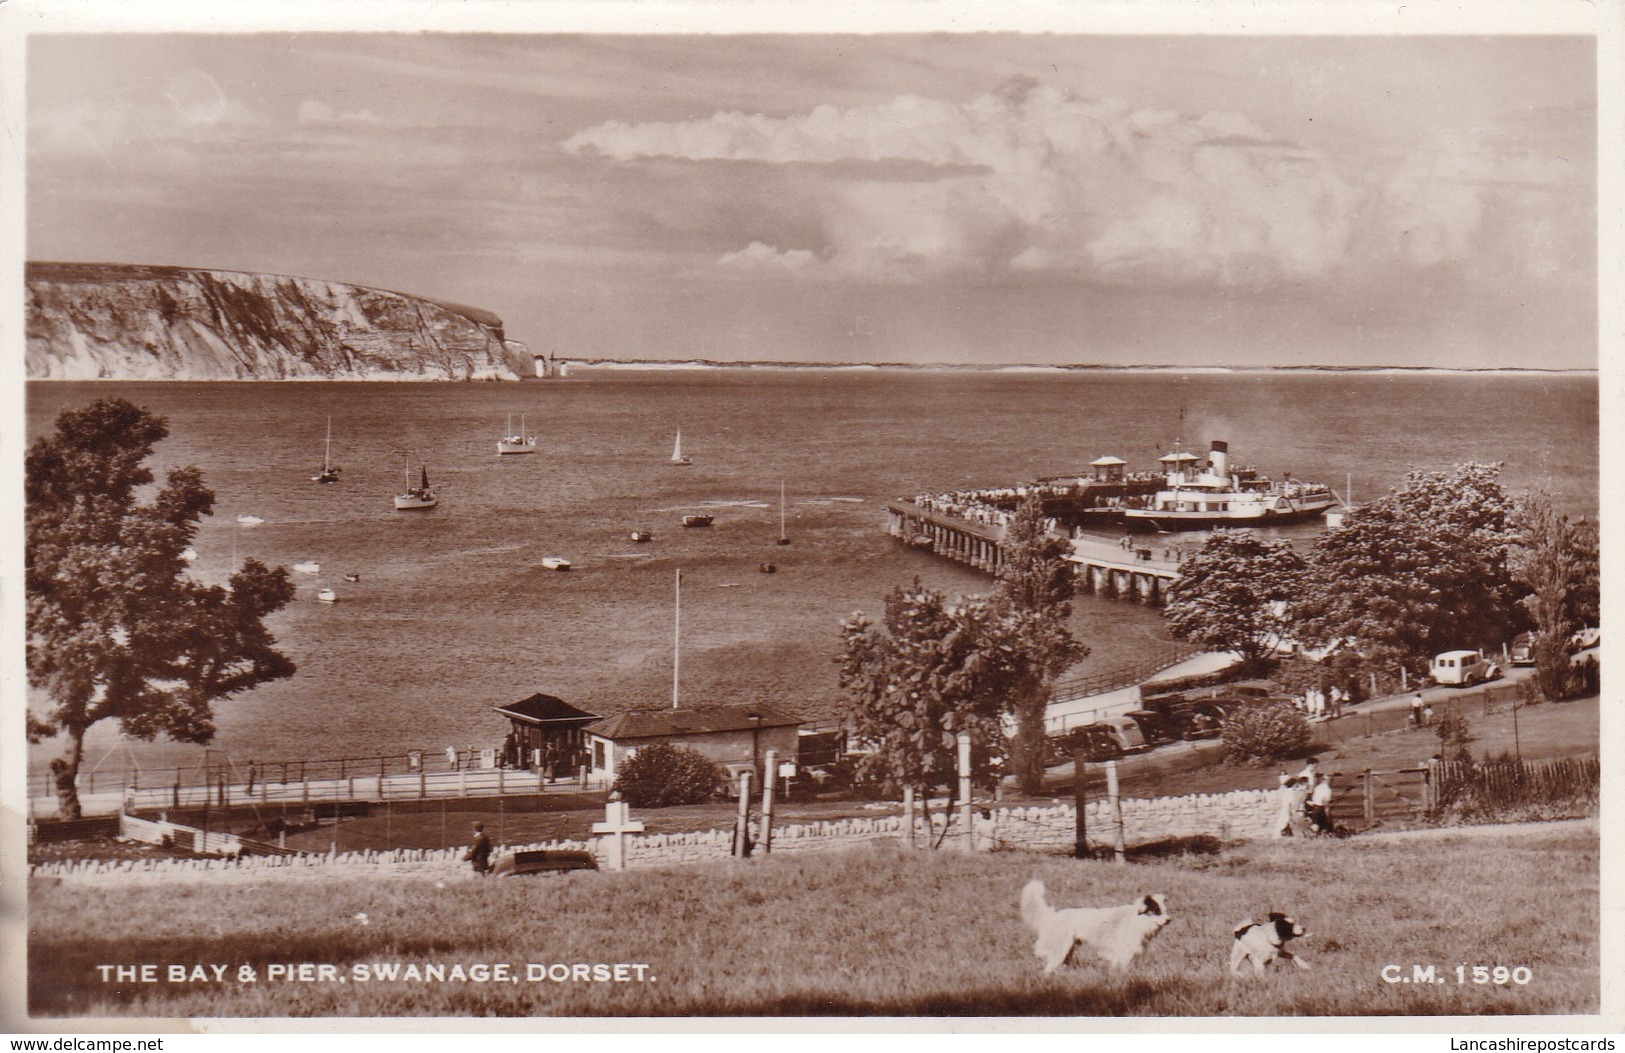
[1219, 459]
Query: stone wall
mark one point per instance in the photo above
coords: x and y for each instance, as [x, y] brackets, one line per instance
[1237, 816]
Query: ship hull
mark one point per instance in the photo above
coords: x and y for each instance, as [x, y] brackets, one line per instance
[1165, 519]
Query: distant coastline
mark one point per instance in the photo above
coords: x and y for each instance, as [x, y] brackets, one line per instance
[704, 364]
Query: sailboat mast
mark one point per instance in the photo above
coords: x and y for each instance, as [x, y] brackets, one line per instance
[677, 638]
[781, 509]
[327, 452]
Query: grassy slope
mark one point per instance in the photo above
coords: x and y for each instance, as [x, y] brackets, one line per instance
[874, 931]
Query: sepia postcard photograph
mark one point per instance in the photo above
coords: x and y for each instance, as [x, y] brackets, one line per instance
[559, 518]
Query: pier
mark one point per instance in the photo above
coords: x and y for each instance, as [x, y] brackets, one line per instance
[976, 544]
[1104, 568]
[1114, 571]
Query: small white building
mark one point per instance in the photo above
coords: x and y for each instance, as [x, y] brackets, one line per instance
[735, 737]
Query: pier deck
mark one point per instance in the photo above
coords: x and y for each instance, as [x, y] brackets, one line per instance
[1104, 568]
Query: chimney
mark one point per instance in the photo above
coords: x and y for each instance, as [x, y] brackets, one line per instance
[1219, 459]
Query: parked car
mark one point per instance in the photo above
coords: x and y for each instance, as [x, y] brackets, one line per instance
[1463, 668]
[1522, 651]
[1171, 717]
[543, 861]
[1105, 739]
[1097, 741]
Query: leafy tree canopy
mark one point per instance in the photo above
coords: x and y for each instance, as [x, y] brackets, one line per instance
[928, 671]
[1035, 585]
[1422, 570]
[1556, 559]
[1233, 594]
[1034, 574]
[116, 628]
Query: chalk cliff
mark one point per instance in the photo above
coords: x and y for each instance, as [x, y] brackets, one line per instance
[134, 322]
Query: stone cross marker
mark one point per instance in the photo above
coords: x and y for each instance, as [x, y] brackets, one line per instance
[617, 824]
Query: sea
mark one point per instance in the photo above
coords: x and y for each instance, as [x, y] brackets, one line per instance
[452, 613]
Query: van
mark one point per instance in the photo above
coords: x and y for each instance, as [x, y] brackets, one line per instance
[1462, 668]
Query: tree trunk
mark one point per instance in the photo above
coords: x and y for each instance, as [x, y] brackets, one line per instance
[1029, 744]
[65, 772]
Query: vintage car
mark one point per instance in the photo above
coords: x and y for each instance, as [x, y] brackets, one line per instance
[543, 861]
[1462, 668]
[1103, 740]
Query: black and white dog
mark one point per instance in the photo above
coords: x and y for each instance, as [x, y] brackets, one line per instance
[1117, 934]
[1264, 943]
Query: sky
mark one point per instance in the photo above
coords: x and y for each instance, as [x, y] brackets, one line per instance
[950, 197]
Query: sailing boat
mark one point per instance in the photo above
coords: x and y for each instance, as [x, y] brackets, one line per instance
[783, 538]
[330, 471]
[677, 458]
[516, 441]
[416, 497]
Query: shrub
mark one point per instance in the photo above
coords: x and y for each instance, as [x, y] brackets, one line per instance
[662, 774]
[1264, 733]
[1454, 734]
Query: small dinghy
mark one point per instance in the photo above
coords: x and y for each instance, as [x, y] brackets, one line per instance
[327, 596]
[308, 567]
[555, 563]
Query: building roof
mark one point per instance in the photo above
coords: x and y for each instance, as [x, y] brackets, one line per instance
[667, 723]
[1107, 460]
[544, 709]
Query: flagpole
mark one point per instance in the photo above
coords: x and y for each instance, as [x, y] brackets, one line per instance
[677, 638]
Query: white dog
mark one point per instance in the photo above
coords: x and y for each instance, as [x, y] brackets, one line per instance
[1265, 943]
[1117, 934]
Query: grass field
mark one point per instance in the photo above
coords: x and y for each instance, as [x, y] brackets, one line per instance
[876, 930]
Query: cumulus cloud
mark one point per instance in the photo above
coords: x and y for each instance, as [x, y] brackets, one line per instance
[757, 256]
[1485, 199]
[1029, 180]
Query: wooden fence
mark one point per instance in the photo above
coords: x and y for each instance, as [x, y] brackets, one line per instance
[1074, 688]
[1369, 798]
[1510, 784]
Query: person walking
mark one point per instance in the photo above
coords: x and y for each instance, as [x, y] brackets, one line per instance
[479, 852]
[1318, 810]
[1416, 710]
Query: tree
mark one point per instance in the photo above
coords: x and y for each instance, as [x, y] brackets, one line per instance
[663, 774]
[1556, 559]
[1233, 594]
[116, 629]
[917, 679]
[1035, 585]
[1422, 570]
